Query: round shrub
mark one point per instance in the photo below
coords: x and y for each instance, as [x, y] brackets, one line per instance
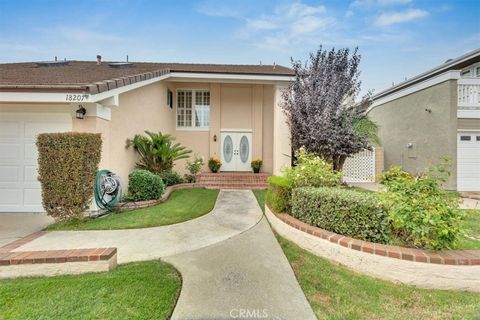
[422, 214]
[279, 194]
[347, 212]
[144, 185]
[312, 171]
[171, 177]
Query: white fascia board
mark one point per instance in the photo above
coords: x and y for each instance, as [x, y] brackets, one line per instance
[450, 75]
[115, 92]
[79, 98]
[35, 97]
[218, 77]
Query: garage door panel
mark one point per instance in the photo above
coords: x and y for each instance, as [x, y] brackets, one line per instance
[9, 129]
[30, 174]
[20, 190]
[10, 196]
[468, 162]
[32, 196]
[10, 151]
[30, 151]
[9, 174]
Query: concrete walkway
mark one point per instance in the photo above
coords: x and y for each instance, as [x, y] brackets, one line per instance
[14, 226]
[247, 276]
[235, 212]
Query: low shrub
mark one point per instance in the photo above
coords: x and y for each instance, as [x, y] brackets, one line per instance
[67, 165]
[312, 171]
[422, 214]
[279, 194]
[144, 185]
[193, 168]
[350, 213]
[171, 177]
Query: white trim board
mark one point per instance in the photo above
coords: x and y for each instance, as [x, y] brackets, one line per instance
[236, 130]
[176, 76]
[450, 75]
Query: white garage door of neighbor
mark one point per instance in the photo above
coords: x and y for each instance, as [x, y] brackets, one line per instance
[468, 161]
[19, 188]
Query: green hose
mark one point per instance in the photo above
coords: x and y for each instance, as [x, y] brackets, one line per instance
[101, 193]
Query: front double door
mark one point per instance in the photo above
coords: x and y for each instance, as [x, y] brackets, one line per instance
[236, 151]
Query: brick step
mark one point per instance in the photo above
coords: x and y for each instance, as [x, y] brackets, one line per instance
[230, 187]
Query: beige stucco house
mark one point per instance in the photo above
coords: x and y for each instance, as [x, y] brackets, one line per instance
[434, 115]
[208, 108]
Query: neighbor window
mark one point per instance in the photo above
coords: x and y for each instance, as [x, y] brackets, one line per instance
[193, 109]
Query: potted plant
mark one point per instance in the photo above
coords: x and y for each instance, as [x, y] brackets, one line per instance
[214, 164]
[256, 165]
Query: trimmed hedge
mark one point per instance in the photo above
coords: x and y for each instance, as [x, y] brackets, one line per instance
[350, 213]
[144, 185]
[279, 194]
[67, 165]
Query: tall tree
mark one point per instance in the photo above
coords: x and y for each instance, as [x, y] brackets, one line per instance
[321, 109]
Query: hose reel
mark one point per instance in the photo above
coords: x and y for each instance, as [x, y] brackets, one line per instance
[107, 189]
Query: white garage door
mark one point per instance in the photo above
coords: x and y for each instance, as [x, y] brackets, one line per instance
[468, 161]
[19, 188]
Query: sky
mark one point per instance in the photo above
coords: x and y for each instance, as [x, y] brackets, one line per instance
[396, 38]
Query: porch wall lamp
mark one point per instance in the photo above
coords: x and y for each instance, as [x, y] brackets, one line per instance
[81, 111]
[215, 138]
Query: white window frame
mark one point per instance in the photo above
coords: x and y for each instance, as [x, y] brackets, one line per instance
[204, 110]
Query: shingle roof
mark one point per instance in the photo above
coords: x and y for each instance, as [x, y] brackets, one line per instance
[93, 78]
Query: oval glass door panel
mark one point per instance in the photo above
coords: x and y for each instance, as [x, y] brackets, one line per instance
[244, 149]
[227, 149]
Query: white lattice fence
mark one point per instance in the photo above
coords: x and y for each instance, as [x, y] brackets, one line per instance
[360, 167]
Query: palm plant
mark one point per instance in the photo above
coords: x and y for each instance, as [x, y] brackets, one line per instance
[157, 151]
[368, 128]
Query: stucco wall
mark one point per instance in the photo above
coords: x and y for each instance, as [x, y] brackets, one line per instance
[432, 134]
[142, 109]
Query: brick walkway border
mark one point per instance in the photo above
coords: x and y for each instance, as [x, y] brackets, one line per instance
[451, 257]
[9, 257]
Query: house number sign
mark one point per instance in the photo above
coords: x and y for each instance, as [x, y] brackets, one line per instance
[76, 97]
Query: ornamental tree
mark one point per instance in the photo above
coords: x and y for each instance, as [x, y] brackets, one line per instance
[321, 109]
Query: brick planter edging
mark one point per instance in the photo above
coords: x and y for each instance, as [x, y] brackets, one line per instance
[56, 256]
[10, 257]
[452, 257]
[150, 203]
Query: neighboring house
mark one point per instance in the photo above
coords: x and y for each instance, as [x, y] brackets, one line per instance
[434, 115]
[228, 111]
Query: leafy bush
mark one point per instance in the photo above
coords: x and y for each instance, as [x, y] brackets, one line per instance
[144, 185]
[395, 173]
[350, 213]
[171, 177]
[422, 214]
[279, 194]
[214, 164]
[67, 165]
[193, 168]
[312, 171]
[157, 151]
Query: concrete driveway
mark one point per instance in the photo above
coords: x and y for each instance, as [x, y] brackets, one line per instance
[14, 226]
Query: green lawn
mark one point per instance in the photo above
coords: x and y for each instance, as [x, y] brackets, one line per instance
[335, 292]
[260, 195]
[143, 290]
[471, 227]
[182, 205]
